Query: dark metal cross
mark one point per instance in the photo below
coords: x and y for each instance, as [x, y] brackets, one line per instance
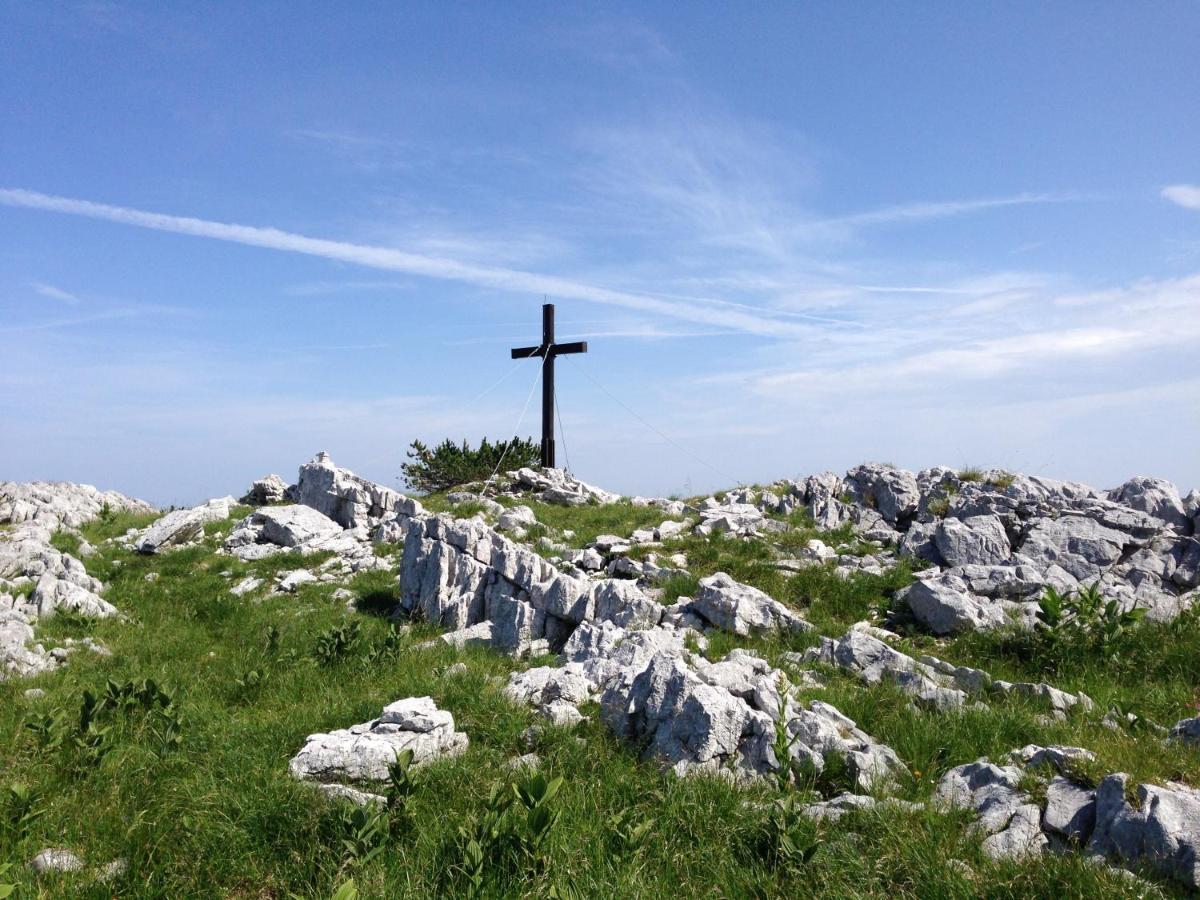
[547, 350]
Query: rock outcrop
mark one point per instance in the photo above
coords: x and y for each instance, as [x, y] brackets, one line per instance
[36, 580]
[996, 540]
[559, 487]
[341, 495]
[1159, 829]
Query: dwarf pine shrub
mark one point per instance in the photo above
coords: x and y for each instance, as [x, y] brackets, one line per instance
[450, 464]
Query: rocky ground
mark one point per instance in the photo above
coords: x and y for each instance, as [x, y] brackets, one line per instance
[1001, 667]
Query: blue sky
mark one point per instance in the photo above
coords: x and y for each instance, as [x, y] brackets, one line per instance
[796, 236]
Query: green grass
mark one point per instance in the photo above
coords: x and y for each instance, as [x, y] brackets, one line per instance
[221, 817]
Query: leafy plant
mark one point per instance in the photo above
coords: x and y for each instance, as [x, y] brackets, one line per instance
[450, 464]
[630, 832]
[365, 832]
[336, 643]
[785, 773]
[487, 841]
[251, 682]
[389, 647]
[48, 729]
[400, 787]
[6, 889]
[504, 840]
[1085, 620]
[536, 795]
[790, 838]
[22, 807]
[91, 740]
[347, 890]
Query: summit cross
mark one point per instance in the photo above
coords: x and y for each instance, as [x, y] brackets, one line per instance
[547, 350]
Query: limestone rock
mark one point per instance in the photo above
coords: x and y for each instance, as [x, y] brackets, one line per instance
[718, 717]
[977, 540]
[1070, 810]
[53, 594]
[1008, 818]
[1162, 831]
[1187, 731]
[1078, 544]
[1155, 496]
[291, 526]
[942, 603]
[336, 791]
[30, 514]
[364, 752]
[264, 491]
[893, 492]
[55, 859]
[516, 517]
[873, 660]
[345, 497]
[558, 487]
[742, 609]
[183, 526]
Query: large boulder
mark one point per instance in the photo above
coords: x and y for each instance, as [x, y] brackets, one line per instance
[977, 540]
[742, 609]
[1155, 496]
[53, 594]
[1159, 830]
[55, 504]
[364, 752]
[1009, 819]
[942, 603]
[1070, 810]
[721, 718]
[265, 491]
[183, 526]
[346, 498]
[291, 526]
[893, 492]
[1078, 544]
[874, 661]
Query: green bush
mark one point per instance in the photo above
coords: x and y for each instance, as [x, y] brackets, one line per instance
[450, 464]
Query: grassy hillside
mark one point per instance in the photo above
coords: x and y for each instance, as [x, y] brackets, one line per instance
[190, 786]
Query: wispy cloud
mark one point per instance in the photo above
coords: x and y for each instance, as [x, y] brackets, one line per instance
[54, 293]
[106, 316]
[1038, 331]
[917, 212]
[1185, 195]
[321, 288]
[386, 258]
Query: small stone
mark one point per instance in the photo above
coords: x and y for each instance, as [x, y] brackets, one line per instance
[55, 859]
[111, 871]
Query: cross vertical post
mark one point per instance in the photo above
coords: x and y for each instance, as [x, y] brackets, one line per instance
[546, 351]
[548, 387]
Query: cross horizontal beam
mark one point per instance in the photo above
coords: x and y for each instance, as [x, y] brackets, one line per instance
[555, 350]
